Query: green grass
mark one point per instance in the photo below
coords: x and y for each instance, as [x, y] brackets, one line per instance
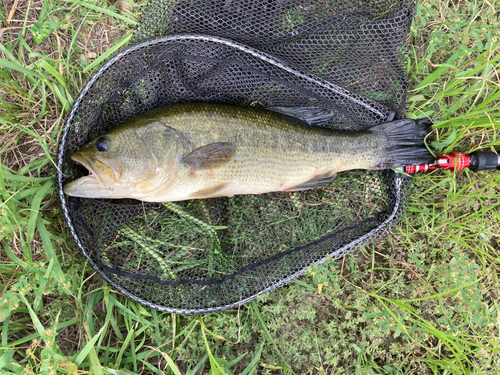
[422, 301]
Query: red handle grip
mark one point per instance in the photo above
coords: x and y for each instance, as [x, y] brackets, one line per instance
[455, 161]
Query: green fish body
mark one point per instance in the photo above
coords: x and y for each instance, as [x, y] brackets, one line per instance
[199, 150]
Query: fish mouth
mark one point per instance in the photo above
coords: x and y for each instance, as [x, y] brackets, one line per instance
[93, 177]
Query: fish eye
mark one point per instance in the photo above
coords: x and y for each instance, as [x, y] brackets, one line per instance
[102, 144]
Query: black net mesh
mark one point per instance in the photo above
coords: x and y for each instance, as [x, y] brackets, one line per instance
[209, 255]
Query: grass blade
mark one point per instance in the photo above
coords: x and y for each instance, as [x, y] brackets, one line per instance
[19, 68]
[199, 366]
[250, 369]
[6, 357]
[171, 364]
[104, 11]
[286, 367]
[49, 249]
[34, 318]
[35, 208]
[88, 348]
[108, 53]
[129, 337]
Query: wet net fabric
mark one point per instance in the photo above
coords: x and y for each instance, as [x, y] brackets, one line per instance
[210, 255]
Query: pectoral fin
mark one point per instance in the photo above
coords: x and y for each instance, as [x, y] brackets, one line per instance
[315, 182]
[211, 156]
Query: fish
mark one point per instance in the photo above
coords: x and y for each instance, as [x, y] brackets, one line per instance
[205, 150]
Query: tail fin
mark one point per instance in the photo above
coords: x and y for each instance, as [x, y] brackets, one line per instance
[406, 142]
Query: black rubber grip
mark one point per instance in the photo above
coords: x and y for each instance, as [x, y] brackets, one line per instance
[480, 161]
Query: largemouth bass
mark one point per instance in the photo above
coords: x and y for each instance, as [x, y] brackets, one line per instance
[194, 151]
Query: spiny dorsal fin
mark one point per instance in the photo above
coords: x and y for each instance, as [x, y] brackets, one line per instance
[211, 156]
[315, 182]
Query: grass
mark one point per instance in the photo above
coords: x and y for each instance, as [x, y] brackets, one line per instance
[422, 301]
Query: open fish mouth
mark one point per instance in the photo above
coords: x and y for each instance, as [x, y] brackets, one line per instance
[90, 186]
[92, 177]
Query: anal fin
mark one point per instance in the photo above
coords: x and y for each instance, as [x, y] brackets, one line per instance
[208, 192]
[315, 182]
